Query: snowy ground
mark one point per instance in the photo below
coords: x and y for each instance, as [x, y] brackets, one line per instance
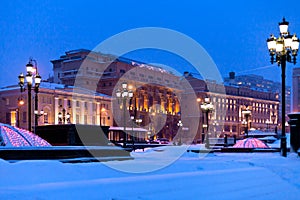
[191, 176]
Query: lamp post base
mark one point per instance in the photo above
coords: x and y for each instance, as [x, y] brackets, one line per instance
[283, 146]
[207, 142]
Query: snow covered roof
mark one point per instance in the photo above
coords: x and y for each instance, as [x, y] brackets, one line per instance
[62, 87]
[115, 128]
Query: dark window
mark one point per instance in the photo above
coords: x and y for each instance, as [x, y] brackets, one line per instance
[46, 119]
[7, 119]
[69, 103]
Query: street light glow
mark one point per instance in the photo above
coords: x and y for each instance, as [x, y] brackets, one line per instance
[286, 51]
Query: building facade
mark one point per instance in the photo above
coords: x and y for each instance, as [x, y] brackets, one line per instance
[258, 83]
[229, 104]
[296, 90]
[158, 92]
[59, 105]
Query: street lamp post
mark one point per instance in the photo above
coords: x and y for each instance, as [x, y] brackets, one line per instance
[273, 118]
[102, 110]
[179, 124]
[283, 48]
[32, 76]
[123, 95]
[247, 113]
[268, 122]
[206, 108]
[132, 136]
[37, 115]
[64, 116]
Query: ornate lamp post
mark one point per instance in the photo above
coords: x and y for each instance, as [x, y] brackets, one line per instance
[268, 122]
[123, 95]
[247, 113]
[102, 110]
[206, 108]
[273, 118]
[284, 49]
[37, 115]
[179, 124]
[33, 79]
[64, 117]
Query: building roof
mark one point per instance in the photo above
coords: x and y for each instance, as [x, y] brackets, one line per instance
[61, 87]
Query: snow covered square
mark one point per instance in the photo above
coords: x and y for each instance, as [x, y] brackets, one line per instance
[190, 176]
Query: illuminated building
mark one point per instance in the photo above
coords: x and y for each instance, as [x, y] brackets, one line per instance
[155, 86]
[296, 90]
[59, 105]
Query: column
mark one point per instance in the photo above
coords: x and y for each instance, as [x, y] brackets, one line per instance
[81, 118]
[98, 110]
[90, 113]
[56, 110]
[73, 114]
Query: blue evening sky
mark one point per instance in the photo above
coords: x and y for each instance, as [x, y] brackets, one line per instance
[234, 33]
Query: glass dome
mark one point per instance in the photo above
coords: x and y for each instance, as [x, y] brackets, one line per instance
[250, 143]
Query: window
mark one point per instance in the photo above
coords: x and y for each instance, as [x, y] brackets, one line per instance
[7, 118]
[46, 119]
[69, 103]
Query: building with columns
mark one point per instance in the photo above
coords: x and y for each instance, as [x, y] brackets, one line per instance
[59, 104]
[259, 83]
[296, 90]
[229, 103]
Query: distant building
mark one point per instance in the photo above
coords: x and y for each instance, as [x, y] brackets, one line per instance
[232, 101]
[296, 90]
[258, 83]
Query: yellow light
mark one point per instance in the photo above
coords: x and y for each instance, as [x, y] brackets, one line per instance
[21, 102]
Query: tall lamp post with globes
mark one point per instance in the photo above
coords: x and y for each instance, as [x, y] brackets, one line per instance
[273, 118]
[247, 113]
[64, 117]
[33, 79]
[123, 95]
[180, 124]
[284, 49]
[206, 108]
